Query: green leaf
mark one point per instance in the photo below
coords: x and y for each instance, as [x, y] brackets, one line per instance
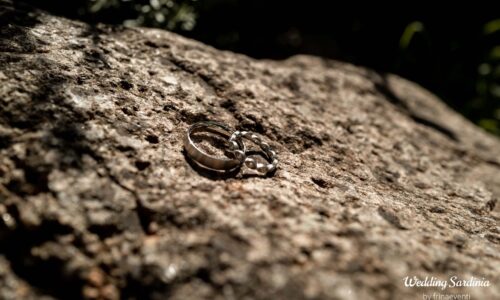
[492, 26]
[410, 30]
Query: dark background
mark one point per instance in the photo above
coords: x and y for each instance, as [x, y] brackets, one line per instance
[452, 51]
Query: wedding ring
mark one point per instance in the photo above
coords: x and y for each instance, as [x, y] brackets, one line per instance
[212, 162]
[250, 162]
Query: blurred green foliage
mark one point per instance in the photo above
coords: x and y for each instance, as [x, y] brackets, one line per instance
[487, 100]
[168, 14]
[483, 106]
[455, 55]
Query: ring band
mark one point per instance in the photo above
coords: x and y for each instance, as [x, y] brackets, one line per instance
[206, 160]
[251, 163]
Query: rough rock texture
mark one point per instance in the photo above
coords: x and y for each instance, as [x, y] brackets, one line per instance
[378, 179]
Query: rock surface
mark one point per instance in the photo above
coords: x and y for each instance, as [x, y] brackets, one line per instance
[378, 179]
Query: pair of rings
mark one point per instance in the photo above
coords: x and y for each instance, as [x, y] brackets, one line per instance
[235, 148]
